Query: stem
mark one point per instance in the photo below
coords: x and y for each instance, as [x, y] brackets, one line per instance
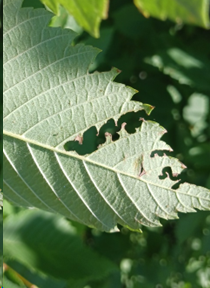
[26, 282]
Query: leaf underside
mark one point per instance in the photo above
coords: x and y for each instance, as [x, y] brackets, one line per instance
[49, 99]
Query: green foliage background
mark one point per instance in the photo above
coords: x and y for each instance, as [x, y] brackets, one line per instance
[169, 64]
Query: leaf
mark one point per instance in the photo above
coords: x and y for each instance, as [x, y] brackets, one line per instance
[51, 99]
[88, 14]
[192, 12]
[65, 20]
[52, 248]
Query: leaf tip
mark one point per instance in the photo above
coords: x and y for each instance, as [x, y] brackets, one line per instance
[117, 70]
[115, 229]
[183, 166]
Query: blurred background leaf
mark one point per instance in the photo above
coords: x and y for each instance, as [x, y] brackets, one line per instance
[65, 20]
[48, 244]
[88, 14]
[192, 12]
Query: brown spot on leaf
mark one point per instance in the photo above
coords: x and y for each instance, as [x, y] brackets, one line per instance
[123, 125]
[107, 134]
[175, 174]
[79, 139]
[183, 166]
[142, 172]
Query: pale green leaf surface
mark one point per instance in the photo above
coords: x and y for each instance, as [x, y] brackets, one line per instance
[50, 98]
[192, 12]
[52, 247]
[87, 13]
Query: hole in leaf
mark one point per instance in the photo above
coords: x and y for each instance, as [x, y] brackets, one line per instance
[110, 128]
[160, 153]
[83, 144]
[91, 138]
[167, 172]
[132, 121]
[176, 185]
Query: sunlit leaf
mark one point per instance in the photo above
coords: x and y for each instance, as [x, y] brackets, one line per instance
[65, 20]
[193, 12]
[88, 13]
